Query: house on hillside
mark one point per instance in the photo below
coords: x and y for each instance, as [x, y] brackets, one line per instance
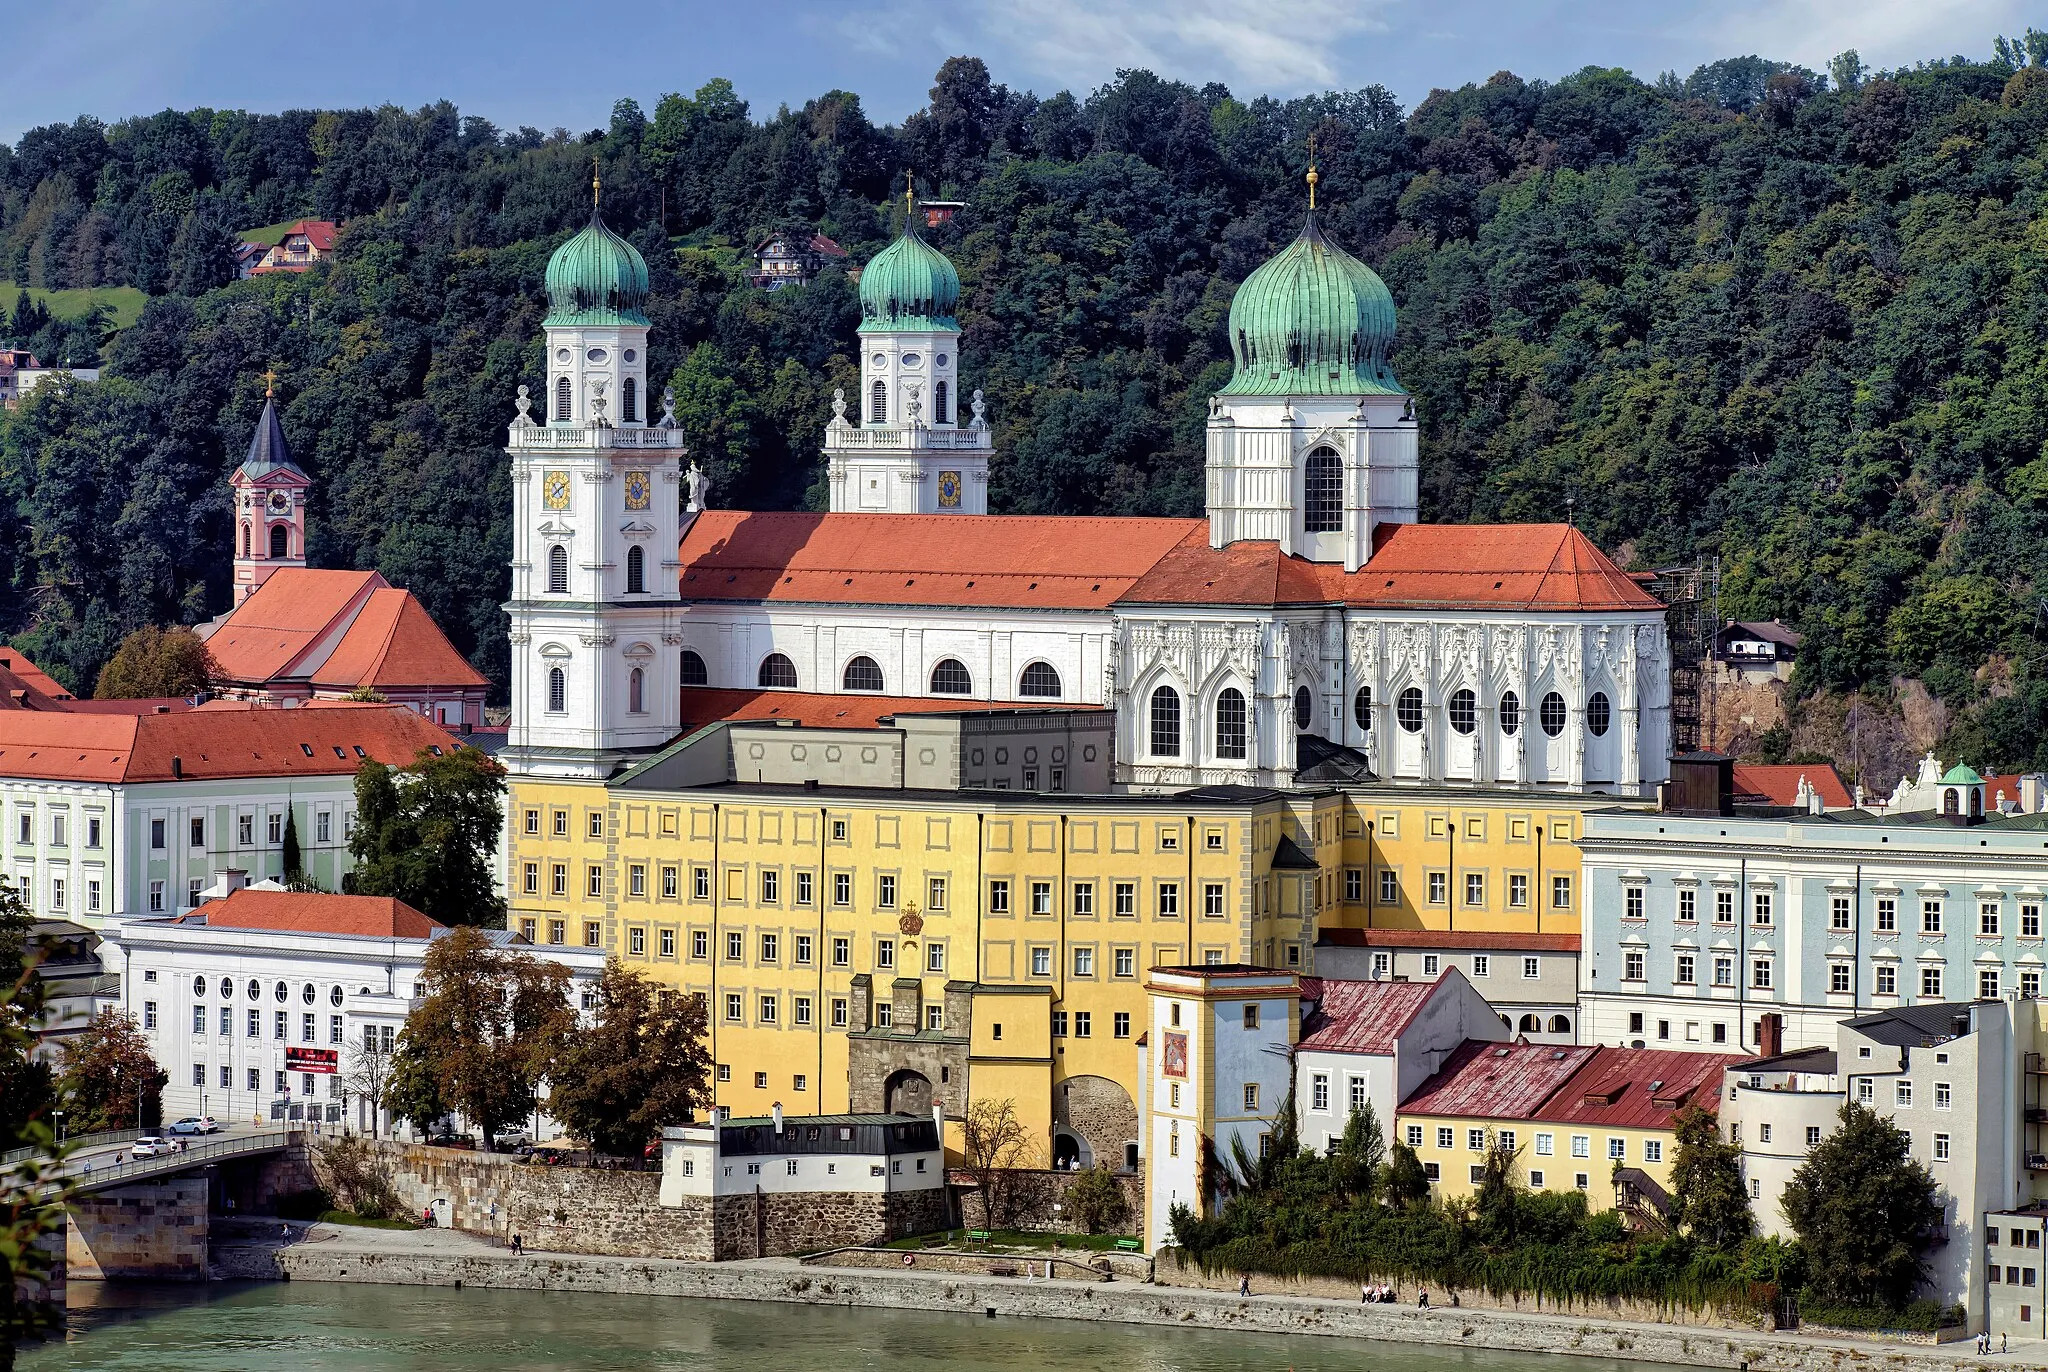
[1757, 651]
[303, 244]
[786, 260]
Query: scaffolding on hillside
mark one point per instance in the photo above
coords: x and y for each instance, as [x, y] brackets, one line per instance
[1692, 616]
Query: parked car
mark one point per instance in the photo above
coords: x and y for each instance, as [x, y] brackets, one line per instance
[512, 1140]
[194, 1124]
[451, 1141]
[154, 1145]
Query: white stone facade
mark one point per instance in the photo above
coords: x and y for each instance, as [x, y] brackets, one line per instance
[907, 451]
[1259, 449]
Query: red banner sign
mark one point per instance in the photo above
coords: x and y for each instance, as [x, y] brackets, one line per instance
[325, 1060]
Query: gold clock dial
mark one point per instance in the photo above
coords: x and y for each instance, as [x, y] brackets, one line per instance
[638, 491]
[554, 487]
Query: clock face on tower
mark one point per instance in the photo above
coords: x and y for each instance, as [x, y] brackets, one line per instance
[949, 490]
[554, 490]
[280, 502]
[637, 491]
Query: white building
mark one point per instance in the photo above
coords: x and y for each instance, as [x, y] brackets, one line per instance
[262, 1003]
[878, 1155]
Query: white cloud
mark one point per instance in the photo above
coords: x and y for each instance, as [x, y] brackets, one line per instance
[1883, 32]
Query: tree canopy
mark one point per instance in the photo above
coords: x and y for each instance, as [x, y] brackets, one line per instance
[155, 661]
[1865, 1211]
[426, 833]
[640, 1065]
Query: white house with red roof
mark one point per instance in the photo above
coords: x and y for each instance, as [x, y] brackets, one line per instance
[259, 1004]
[301, 245]
[1308, 605]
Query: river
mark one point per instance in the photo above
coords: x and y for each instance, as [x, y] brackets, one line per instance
[316, 1327]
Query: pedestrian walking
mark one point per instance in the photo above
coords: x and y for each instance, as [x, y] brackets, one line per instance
[518, 1246]
[1244, 1284]
[2001, 1342]
[1422, 1301]
[1364, 1294]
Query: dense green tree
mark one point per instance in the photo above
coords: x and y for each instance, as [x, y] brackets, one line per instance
[425, 833]
[1708, 1200]
[1866, 1212]
[639, 1066]
[27, 1085]
[155, 661]
[107, 1077]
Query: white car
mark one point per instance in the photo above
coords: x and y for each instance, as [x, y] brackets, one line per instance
[153, 1145]
[194, 1124]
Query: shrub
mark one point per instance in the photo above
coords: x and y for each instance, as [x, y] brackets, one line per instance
[1099, 1201]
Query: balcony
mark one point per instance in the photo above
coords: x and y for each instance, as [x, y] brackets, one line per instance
[850, 439]
[566, 436]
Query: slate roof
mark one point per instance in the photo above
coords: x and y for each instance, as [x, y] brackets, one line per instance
[268, 451]
[1910, 1026]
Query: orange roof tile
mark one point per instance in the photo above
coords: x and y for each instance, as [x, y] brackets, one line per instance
[704, 705]
[15, 662]
[212, 744]
[144, 705]
[313, 912]
[284, 617]
[393, 642]
[1640, 1088]
[1013, 561]
[1778, 783]
[18, 693]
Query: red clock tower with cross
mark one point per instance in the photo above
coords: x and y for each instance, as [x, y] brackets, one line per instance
[270, 503]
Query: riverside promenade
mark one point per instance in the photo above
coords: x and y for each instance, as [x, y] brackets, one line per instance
[334, 1253]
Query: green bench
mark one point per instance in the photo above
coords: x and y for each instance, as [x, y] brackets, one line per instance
[980, 1236]
[1129, 1246]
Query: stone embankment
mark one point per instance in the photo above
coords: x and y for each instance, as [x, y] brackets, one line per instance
[322, 1253]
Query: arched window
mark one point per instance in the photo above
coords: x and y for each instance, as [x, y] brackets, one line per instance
[280, 541]
[245, 540]
[1951, 802]
[629, 400]
[1598, 715]
[1230, 724]
[862, 675]
[1464, 712]
[1560, 1024]
[562, 393]
[636, 689]
[1510, 713]
[1040, 681]
[636, 570]
[1550, 714]
[940, 414]
[1166, 722]
[1361, 708]
[693, 669]
[950, 678]
[1408, 710]
[878, 404]
[558, 690]
[1304, 709]
[778, 671]
[1531, 1025]
[1322, 492]
[558, 570]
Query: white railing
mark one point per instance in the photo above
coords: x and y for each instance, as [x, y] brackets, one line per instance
[932, 440]
[590, 436]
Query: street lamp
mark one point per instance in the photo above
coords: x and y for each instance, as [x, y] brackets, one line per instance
[58, 1115]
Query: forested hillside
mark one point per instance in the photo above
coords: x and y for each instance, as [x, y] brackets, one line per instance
[1797, 320]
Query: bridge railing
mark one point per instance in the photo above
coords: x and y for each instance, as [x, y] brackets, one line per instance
[94, 1173]
[82, 1142]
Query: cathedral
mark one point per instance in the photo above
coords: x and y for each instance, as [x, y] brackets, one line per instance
[1309, 629]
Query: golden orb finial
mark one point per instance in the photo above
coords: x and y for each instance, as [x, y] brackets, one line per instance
[1313, 176]
[596, 185]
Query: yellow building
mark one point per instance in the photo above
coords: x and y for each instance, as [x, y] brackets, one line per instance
[1594, 1120]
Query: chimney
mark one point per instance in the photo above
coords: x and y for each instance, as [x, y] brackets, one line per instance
[1959, 1023]
[1770, 1035]
[2030, 793]
[227, 879]
[776, 1110]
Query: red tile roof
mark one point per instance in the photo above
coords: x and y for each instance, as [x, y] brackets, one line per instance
[1451, 938]
[145, 705]
[1779, 783]
[1640, 1088]
[212, 743]
[394, 643]
[19, 693]
[704, 705]
[336, 630]
[283, 617]
[1012, 561]
[15, 662]
[1364, 1016]
[313, 912]
[1506, 1081]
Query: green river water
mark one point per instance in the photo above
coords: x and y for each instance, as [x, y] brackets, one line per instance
[315, 1327]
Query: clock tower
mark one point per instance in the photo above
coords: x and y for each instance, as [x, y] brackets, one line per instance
[596, 633]
[270, 503]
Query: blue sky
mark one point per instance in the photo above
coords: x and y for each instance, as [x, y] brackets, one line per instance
[564, 62]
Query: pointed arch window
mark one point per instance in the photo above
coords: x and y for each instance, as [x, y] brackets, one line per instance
[951, 678]
[694, 673]
[878, 403]
[1040, 681]
[778, 672]
[1231, 724]
[558, 570]
[862, 674]
[636, 691]
[940, 414]
[1322, 491]
[280, 541]
[558, 690]
[636, 570]
[1165, 722]
[562, 396]
[629, 401]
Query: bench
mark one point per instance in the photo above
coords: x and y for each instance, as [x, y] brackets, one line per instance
[1129, 1246]
[980, 1236]
[1002, 1269]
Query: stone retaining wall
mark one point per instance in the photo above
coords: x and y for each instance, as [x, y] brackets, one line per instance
[1038, 1201]
[1041, 1266]
[150, 1230]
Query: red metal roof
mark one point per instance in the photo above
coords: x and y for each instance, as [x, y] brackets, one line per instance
[1779, 783]
[1364, 1016]
[1480, 942]
[213, 743]
[313, 912]
[1640, 1088]
[1503, 1081]
[704, 705]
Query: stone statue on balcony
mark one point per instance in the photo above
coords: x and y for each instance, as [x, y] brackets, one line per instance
[523, 404]
[699, 483]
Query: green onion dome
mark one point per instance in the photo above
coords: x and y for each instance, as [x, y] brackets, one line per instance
[1312, 321]
[597, 277]
[909, 285]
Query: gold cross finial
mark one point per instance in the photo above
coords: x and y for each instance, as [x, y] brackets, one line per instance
[269, 382]
[1312, 175]
[595, 184]
[909, 194]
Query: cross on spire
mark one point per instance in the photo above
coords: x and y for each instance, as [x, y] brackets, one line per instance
[269, 382]
[909, 195]
[596, 185]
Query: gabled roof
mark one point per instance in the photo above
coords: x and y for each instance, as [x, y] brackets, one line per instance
[704, 705]
[313, 912]
[1640, 1088]
[1363, 1016]
[15, 662]
[395, 643]
[1909, 1026]
[337, 630]
[1764, 631]
[212, 744]
[1778, 783]
[19, 693]
[1507, 1081]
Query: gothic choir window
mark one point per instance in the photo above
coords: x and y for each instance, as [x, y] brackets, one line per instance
[878, 404]
[562, 393]
[1464, 712]
[950, 678]
[1361, 708]
[940, 414]
[629, 401]
[1408, 710]
[1550, 714]
[280, 541]
[636, 689]
[694, 673]
[636, 570]
[1304, 709]
[558, 690]
[1166, 722]
[1597, 714]
[1231, 721]
[862, 675]
[1323, 492]
[1039, 682]
[1510, 713]
[558, 570]
[778, 672]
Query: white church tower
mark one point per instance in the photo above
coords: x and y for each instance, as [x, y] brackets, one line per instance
[596, 523]
[1313, 443]
[901, 445]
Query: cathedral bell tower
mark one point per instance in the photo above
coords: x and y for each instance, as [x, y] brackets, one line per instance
[270, 502]
[904, 447]
[595, 633]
